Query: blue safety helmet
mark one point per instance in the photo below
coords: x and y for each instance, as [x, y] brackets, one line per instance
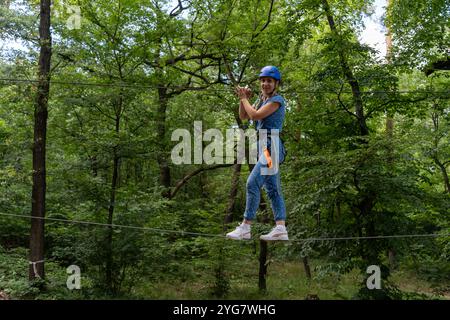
[270, 71]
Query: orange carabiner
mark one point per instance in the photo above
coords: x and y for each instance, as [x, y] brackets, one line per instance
[268, 158]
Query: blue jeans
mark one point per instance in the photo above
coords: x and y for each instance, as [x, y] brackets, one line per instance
[272, 185]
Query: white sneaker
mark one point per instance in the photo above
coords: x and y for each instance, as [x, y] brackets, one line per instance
[279, 232]
[242, 231]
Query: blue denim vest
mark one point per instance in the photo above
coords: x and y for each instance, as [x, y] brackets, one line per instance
[273, 121]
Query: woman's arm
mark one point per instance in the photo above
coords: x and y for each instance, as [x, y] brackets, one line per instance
[252, 113]
[242, 113]
[263, 112]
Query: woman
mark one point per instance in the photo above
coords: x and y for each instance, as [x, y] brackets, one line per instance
[268, 114]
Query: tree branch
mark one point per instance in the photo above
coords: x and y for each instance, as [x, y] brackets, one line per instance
[181, 57]
[192, 88]
[267, 22]
[190, 73]
[394, 101]
[342, 104]
[183, 181]
[178, 9]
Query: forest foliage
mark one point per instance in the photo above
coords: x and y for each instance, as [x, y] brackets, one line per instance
[367, 139]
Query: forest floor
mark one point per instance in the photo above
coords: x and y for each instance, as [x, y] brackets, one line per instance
[286, 281]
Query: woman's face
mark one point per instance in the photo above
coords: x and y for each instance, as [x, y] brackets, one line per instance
[267, 85]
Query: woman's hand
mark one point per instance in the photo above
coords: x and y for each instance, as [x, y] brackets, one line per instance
[243, 92]
[249, 92]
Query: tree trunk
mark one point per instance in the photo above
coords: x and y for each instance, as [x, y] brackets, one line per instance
[392, 259]
[444, 174]
[164, 169]
[307, 268]
[112, 200]
[367, 202]
[237, 167]
[94, 165]
[389, 116]
[435, 155]
[263, 250]
[109, 237]
[39, 146]
[348, 73]
[338, 210]
[390, 130]
[262, 265]
[233, 193]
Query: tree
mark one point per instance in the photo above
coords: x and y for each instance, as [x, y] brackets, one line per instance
[39, 146]
[421, 34]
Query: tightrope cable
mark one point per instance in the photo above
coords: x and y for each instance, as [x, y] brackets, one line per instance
[182, 232]
[149, 86]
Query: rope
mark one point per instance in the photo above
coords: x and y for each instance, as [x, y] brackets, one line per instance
[133, 85]
[182, 232]
[34, 263]
[430, 235]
